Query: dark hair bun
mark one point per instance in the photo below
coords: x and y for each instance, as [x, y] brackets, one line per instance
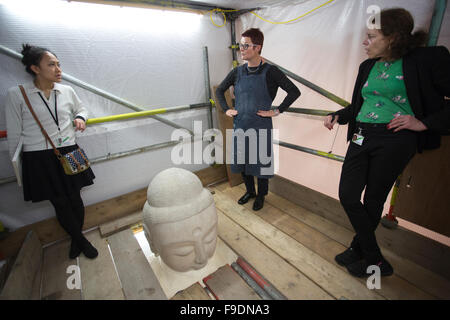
[32, 55]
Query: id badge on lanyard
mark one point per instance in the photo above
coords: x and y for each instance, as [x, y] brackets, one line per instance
[358, 138]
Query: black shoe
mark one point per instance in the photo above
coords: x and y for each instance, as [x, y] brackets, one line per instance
[74, 250]
[259, 203]
[385, 268]
[347, 257]
[89, 250]
[359, 268]
[247, 196]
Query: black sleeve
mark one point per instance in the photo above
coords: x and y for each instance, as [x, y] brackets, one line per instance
[287, 85]
[440, 70]
[346, 114]
[226, 83]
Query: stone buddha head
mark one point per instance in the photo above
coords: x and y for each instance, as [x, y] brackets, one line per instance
[180, 220]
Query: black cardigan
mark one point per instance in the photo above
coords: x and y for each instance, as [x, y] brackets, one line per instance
[426, 72]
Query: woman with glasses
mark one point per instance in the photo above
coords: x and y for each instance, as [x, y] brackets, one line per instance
[255, 86]
[398, 107]
[61, 113]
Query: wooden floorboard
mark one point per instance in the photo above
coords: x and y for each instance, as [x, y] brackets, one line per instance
[329, 277]
[54, 278]
[424, 279]
[111, 227]
[287, 279]
[98, 276]
[137, 277]
[194, 292]
[393, 288]
[226, 284]
[36, 289]
[415, 247]
[19, 284]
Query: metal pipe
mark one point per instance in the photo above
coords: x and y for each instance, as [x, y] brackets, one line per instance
[312, 86]
[233, 42]
[8, 180]
[117, 155]
[147, 113]
[436, 22]
[313, 112]
[176, 4]
[252, 283]
[260, 280]
[311, 151]
[207, 85]
[97, 91]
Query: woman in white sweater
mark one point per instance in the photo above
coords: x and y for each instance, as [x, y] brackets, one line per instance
[61, 113]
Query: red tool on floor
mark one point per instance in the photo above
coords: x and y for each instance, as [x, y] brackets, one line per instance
[389, 221]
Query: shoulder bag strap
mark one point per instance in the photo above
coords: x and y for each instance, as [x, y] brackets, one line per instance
[58, 154]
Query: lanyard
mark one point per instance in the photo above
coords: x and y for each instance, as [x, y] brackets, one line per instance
[55, 117]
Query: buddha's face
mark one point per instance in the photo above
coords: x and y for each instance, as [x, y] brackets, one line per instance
[186, 244]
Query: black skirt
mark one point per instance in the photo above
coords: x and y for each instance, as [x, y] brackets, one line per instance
[44, 178]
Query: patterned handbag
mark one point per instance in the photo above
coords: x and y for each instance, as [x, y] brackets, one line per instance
[73, 162]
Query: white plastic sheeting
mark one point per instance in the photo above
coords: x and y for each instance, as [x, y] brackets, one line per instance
[153, 58]
[325, 47]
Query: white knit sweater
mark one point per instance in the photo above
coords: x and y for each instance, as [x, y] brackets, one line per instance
[20, 121]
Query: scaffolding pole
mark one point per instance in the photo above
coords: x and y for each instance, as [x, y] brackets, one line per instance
[98, 91]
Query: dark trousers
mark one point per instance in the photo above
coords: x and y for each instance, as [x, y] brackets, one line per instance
[374, 166]
[263, 184]
[70, 215]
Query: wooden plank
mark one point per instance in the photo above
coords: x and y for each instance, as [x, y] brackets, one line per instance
[287, 279]
[137, 277]
[54, 273]
[311, 200]
[225, 123]
[418, 276]
[49, 230]
[212, 174]
[194, 292]
[98, 276]
[226, 284]
[331, 278]
[111, 227]
[423, 191]
[19, 283]
[423, 251]
[36, 289]
[5, 268]
[393, 287]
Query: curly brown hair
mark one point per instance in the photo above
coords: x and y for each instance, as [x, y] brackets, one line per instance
[398, 24]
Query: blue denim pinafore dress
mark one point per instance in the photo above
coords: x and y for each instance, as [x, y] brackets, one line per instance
[252, 134]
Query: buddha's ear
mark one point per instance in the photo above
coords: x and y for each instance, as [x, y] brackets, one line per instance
[150, 240]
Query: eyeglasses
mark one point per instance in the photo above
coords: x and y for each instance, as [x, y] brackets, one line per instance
[245, 46]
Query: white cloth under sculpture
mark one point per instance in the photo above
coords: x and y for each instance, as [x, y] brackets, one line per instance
[180, 219]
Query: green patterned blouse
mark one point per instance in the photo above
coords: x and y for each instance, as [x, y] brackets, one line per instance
[384, 94]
